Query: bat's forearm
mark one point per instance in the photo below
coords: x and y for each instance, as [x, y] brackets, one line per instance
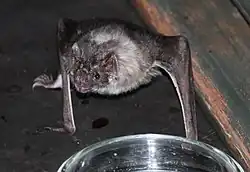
[68, 117]
[185, 81]
[176, 61]
[184, 76]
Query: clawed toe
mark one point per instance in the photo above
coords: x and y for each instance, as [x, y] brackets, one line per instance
[43, 77]
[42, 81]
[60, 128]
[49, 129]
[43, 130]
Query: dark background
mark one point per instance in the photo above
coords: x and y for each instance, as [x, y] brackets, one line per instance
[27, 49]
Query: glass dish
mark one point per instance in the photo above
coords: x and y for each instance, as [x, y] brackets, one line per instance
[150, 153]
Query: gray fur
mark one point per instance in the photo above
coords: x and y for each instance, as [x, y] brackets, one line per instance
[112, 57]
[133, 67]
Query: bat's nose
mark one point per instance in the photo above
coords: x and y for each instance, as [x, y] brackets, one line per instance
[81, 82]
[78, 79]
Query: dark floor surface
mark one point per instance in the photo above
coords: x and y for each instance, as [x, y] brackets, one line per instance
[27, 49]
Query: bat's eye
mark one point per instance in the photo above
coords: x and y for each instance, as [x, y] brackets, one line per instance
[96, 75]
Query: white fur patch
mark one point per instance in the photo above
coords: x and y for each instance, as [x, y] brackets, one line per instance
[130, 61]
[58, 82]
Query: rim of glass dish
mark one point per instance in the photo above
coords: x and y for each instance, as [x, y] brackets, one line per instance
[104, 143]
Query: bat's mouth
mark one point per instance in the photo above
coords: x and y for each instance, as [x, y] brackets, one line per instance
[81, 85]
[82, 89]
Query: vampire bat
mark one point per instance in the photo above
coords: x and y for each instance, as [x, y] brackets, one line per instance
[111, 56]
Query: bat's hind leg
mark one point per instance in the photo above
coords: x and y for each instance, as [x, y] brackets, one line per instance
[47, 82]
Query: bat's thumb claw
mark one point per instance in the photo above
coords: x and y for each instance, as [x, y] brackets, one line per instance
[34, 86]
[37, 84]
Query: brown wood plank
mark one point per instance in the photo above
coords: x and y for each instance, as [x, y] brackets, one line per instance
[244, 7]
[220, 41]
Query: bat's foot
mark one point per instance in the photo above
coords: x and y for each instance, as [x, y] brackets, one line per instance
[63, 129]
[50, 129]
[47, 82]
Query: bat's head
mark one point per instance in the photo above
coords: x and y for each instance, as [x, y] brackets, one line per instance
[92, 67]
[90, 59]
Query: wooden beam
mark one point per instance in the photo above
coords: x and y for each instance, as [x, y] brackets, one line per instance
[244, 8]
[220, 41]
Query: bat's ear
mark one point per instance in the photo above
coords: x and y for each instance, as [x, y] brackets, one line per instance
[110, 62]
[66, 28]
[75, 53]
[66, 25]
